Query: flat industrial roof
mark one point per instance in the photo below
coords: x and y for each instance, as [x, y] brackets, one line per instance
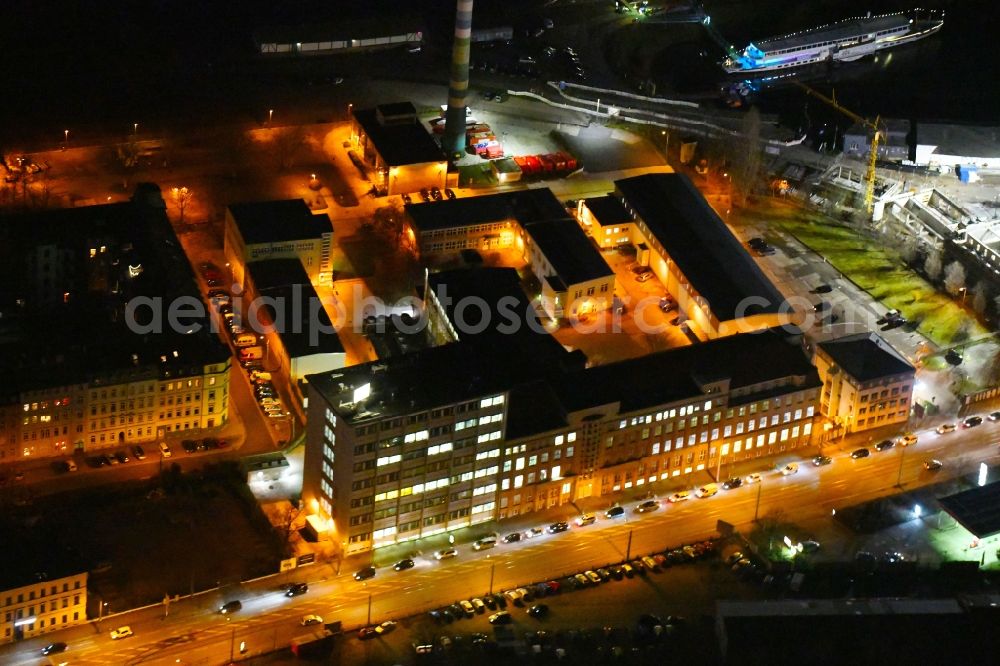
[399, 144]
[385, 24]
[976, 509]
[297, 311]
[524, 206]
[262, 222]
[866, 356]
[607, 210]
[701, 245]
[573, 255]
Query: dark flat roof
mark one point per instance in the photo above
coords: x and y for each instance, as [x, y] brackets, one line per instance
[573, 256]
[704, 249]
[524, 206]
[295, 300]
[962, 140]
[277, 221]
[399, 144]
[57, 340]
[676, 374]
[608, 210]
[866, 356]
[977, 509]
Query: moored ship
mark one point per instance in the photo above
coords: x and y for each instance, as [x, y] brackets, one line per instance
[846, 41]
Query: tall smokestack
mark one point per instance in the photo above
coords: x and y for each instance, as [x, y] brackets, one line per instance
[454, 127]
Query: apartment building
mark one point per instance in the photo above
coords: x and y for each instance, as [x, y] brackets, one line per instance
[110, 347]
[495, 424]
[49, 598]
[866, 382]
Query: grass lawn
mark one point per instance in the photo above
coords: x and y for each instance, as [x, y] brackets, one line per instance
[476, 175]
[879, 272]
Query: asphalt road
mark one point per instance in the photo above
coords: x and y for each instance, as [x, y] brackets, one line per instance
[195, 632]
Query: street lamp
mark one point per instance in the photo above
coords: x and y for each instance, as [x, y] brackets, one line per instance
[135, 128]
[666, 144]
[270, 115]
[66, 136]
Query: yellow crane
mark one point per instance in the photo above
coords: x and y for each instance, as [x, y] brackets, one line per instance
[877, 137]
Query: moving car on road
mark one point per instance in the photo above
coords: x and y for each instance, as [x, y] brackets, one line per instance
[752, 478]
[789, 469]
[295, 589]
[945, 428]
[121, 632]
[555, 528]
[586, 519]
[734, 482]
[648, 505]
[402, 565]
[231, 607]
[885, 445]
[860, 453]
[907, 439]
[308, 620]
[446, 554]
[53, 648]
[512, 537]
[819, 461]
[707, 490]
[933, 465]
[365, 573]
[972, 421]
[615, 512]
[679, 496]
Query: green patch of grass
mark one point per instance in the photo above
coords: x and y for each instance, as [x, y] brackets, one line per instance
[878, 271]
[476, 175]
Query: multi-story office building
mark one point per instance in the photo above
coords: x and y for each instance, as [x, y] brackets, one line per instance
[502, 421]
[103, 337]
[866, 383]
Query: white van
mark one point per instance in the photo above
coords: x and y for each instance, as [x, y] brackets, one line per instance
[485, 543]
[165, 450]
[245, 340]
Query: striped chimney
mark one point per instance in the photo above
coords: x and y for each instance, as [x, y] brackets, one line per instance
[454, 128]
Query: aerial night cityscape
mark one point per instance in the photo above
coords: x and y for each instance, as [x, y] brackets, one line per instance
[468, 331]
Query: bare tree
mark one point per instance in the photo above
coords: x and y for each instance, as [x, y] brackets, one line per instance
[235, 146]
[980, 297]
[744, 156]
[287, 143]
[126, 158]
[954, 278]
[932, 264]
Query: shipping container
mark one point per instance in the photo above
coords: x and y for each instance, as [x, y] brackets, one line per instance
[534, 165]
[548, 166]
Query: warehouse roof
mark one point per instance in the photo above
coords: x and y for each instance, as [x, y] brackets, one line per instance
[522, 206]
[701, 245]
[608, 210]
[573, 256]
[961, 140]
[866, 356]
[398, 143]
[262, 222]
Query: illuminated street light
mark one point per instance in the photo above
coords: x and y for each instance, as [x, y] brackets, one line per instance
[917, 511]
[66, 135]
[982, 474]
[270, 115]
[135, 128]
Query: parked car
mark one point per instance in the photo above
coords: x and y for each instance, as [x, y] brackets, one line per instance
[467, 608]
[860, 453]
[385, 627]
[450, 193]
[501, 617]
[139, 453]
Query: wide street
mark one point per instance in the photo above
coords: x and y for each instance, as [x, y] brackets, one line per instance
[194, 631]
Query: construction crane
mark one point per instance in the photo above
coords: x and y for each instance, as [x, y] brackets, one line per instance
[878, 136]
